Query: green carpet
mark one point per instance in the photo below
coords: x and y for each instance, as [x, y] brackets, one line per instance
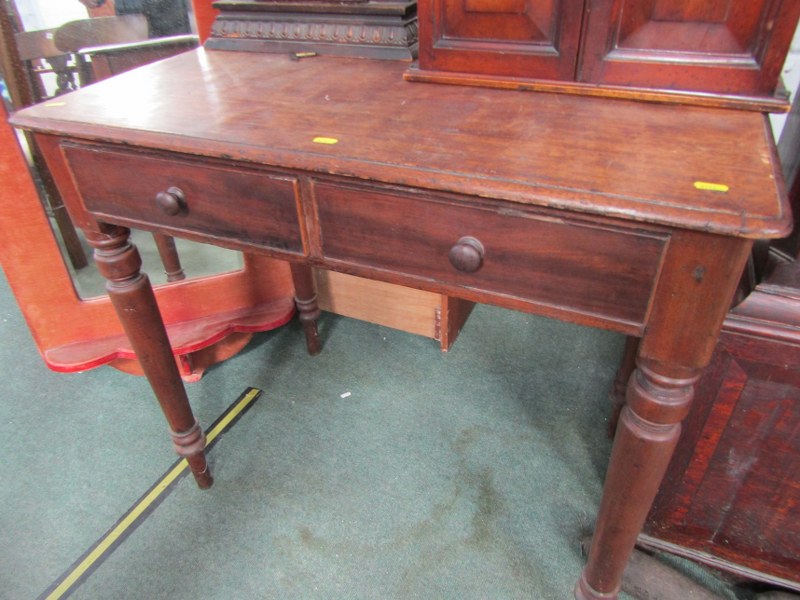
[471, 474]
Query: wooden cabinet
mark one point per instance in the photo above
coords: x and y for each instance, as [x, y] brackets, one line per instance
[662, 49]
[501, 37]
[725, 47]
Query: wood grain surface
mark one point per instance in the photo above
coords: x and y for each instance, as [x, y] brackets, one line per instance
[620, 158]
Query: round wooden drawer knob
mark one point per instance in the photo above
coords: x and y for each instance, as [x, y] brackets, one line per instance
[171, 202]
[467, 255]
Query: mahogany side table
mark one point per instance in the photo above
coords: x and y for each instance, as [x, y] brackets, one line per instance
[628, 216]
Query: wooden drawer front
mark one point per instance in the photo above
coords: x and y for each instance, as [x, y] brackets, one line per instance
[125, 185]
[576, 266]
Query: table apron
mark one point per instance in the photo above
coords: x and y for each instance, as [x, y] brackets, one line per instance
[587, 269]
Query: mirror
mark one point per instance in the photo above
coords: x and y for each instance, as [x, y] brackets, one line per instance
[72, 43]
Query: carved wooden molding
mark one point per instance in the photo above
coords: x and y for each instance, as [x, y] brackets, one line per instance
[401, 35]
[384, 29]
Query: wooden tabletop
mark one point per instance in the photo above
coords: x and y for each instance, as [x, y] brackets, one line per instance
[698, 168]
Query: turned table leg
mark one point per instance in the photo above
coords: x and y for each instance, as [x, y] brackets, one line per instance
[647, 432]
[307, 309]
[133, 299]
[620, 386]
[699, 275]
[165, 244]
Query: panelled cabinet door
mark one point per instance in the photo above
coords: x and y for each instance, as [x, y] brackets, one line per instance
[714, 46]
[521, 38]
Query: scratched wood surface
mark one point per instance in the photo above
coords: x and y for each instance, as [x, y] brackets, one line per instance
[611, 157]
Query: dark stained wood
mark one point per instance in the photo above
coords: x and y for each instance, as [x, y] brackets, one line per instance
[308, 311]
[647, 432]
[609, 157]
[201, 314]
[103, 61]
[18, 82]
[777, 103]
[467, 254]
[718, 47]
[130, 292]
[539, 258]
[501, 37]
[184, 196]
[69, 236]
[620, 386]
[698, 270]
[24, 89]
[452, 316]
[384, 29]
[772, 312]
[648, 578]
[108, 60]
[701, 273]
[40, 54]
[646, 213]
[651, 50]
[169, 257]
[41, 57]
[75, 35]
[731, 496]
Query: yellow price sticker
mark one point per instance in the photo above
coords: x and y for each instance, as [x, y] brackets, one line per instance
[711, 187]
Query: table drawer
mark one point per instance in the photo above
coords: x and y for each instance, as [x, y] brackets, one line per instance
[528, 255]
[238, 204]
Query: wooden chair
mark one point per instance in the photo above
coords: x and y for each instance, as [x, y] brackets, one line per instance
[40, 55]
[74, 36]
[20, 53]
[101, 31]
[109, 60]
